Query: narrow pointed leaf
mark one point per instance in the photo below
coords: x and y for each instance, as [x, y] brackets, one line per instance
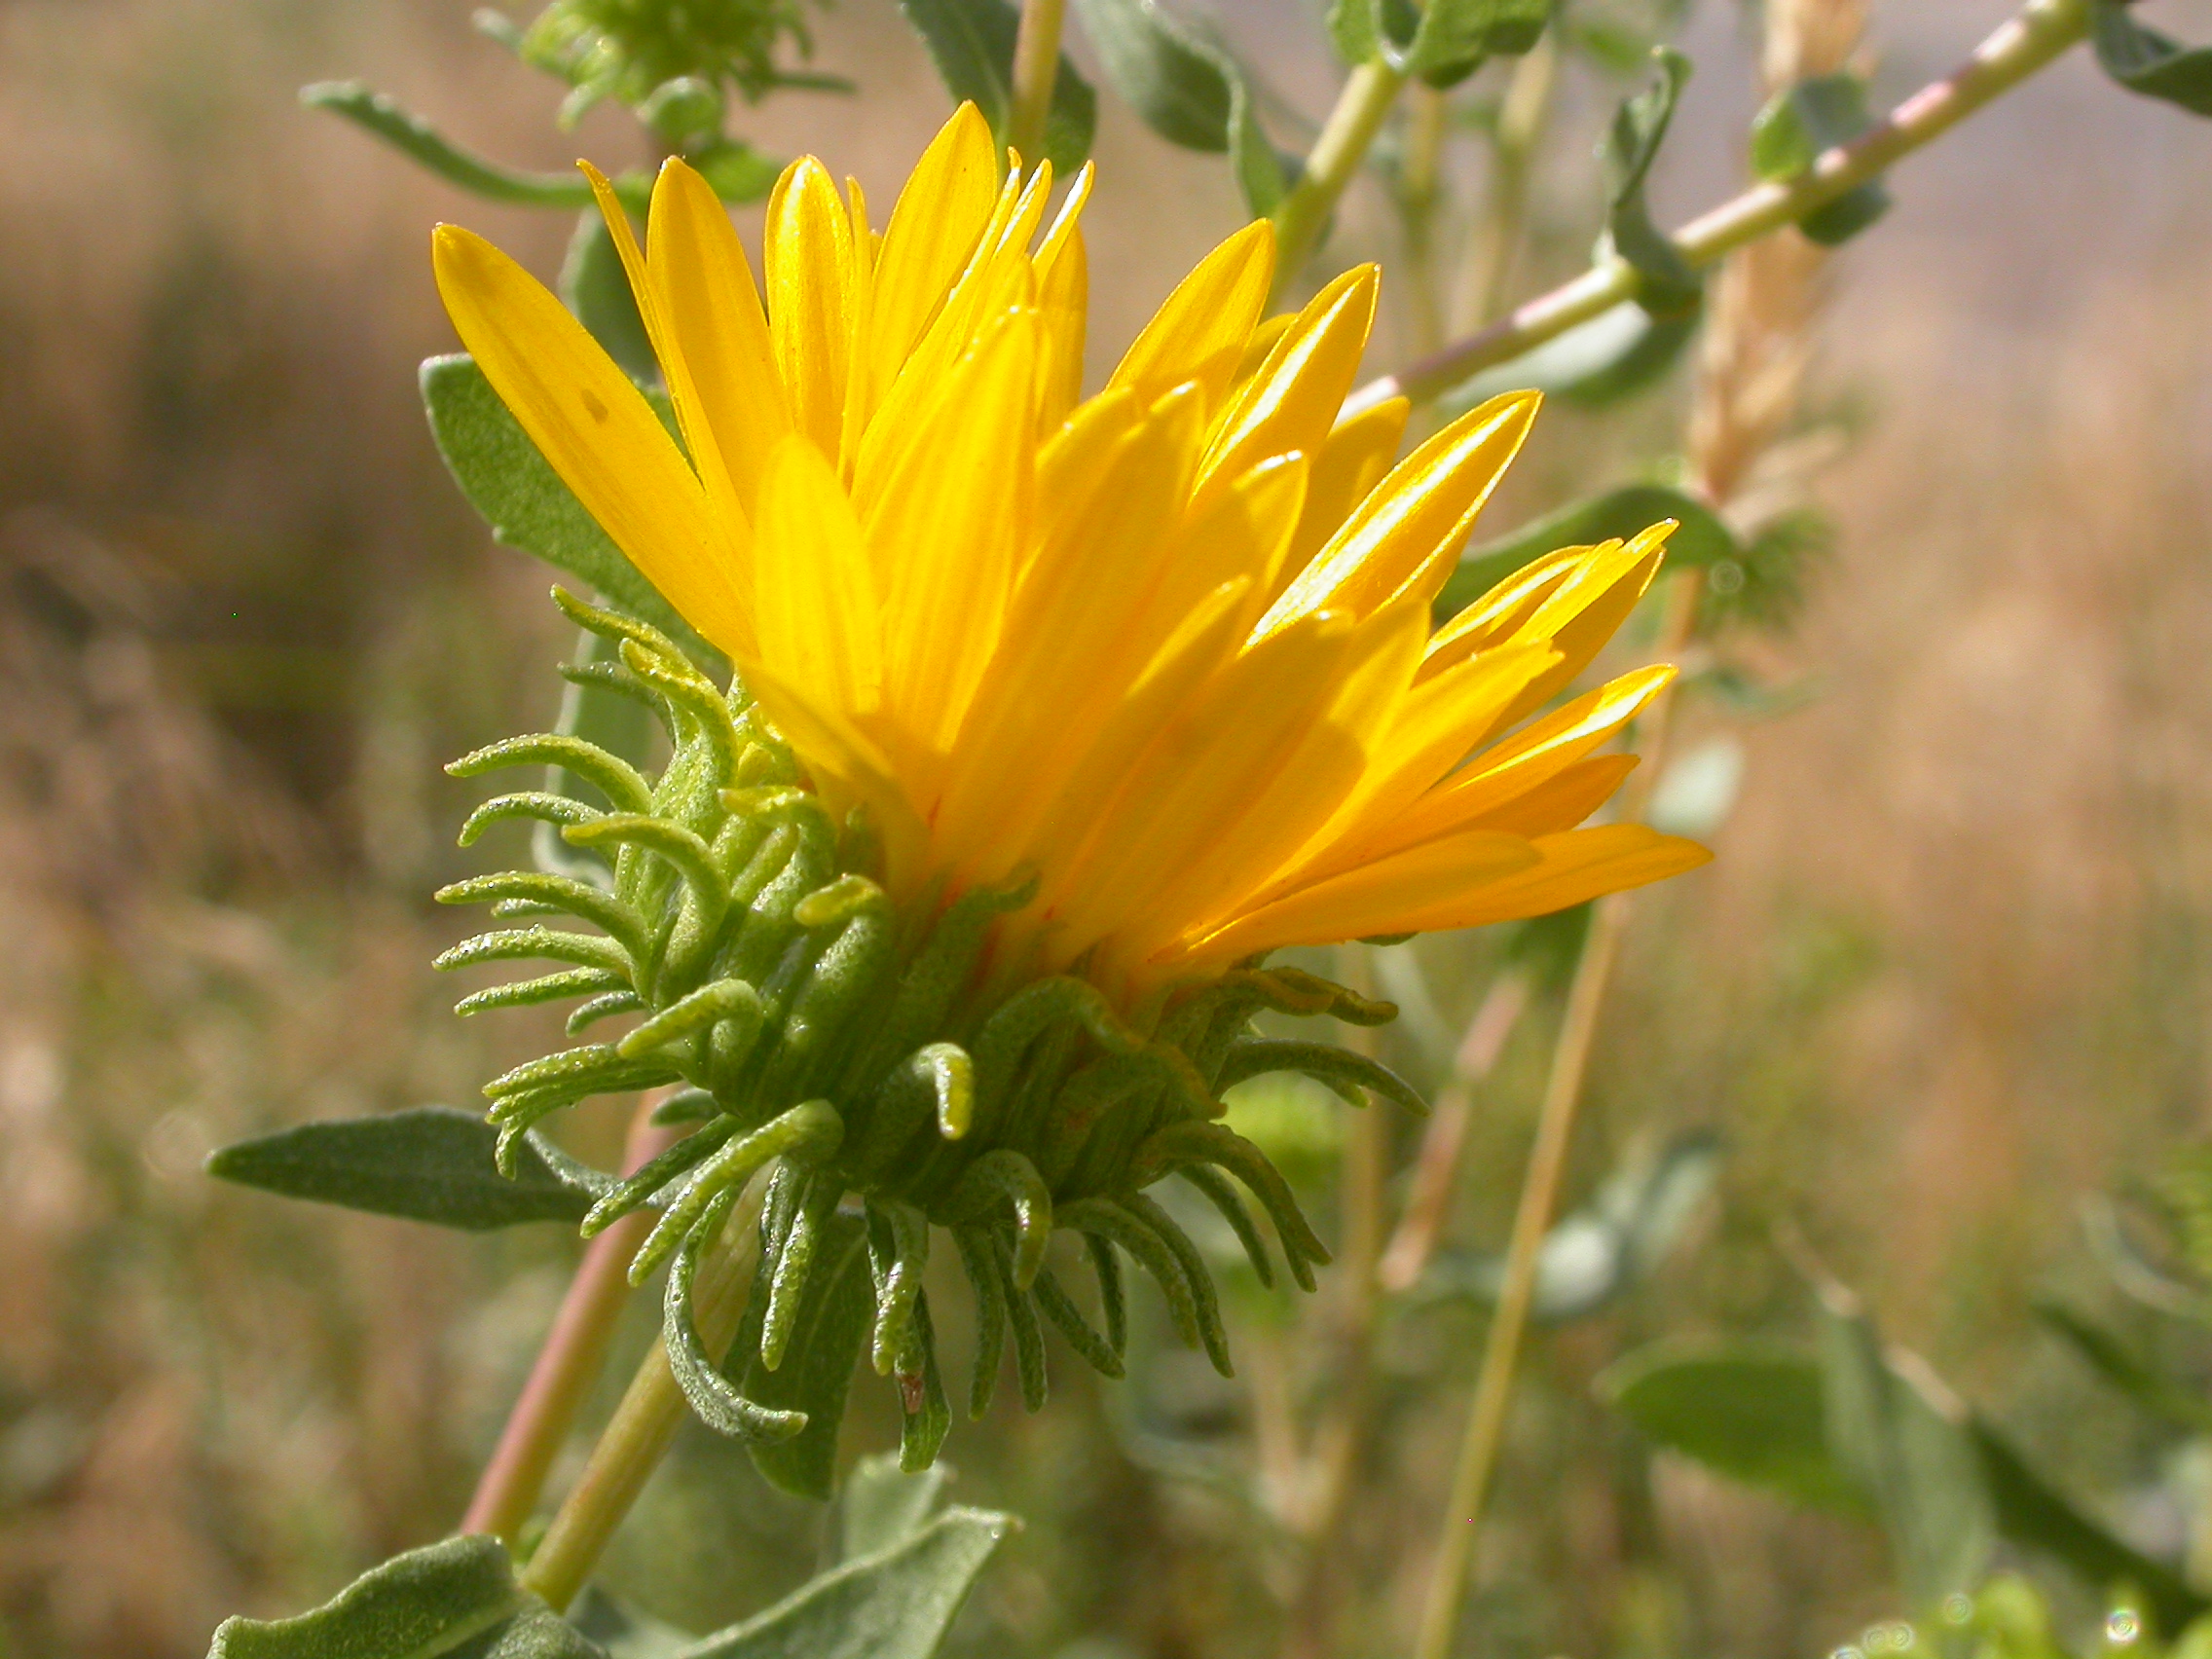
[426, 1163]
[456, 1599]
[895, 1604]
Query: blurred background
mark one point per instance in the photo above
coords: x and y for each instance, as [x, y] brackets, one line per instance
[1950, 972]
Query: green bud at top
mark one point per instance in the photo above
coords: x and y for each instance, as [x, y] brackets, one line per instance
[672, 60]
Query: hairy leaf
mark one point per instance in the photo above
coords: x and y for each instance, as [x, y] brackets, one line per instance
[457, 1600]
[505, 479]
[1911, 1453]
[895, 1604]
[426, 1163]
[1764, 1415]
[972, 44]
[2145, 60]
[883, 1505]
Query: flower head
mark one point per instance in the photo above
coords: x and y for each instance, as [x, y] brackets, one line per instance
[1055, 716]
[1169, 649]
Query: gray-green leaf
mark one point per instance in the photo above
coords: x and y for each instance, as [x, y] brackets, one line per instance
[1750, 1411]
[426, 1163]
[894, 1604]
[527, 505]
[972, 44]
[457, 1600]
[1700, 539]
[1797, 124]
[1913, 1455]
[883, 1505]
[1455, 37]
[2145, 60]
[1614, 356]
[1670, 285]
[1601, 1251]
[1188, 88]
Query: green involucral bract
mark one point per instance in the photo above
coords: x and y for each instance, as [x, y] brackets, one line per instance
[856, 1049]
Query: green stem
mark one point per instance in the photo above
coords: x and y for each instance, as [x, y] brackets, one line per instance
[1036, 68]
[1496, 235]
[1450, 1574]
[1345, 138]
[1419, 194]
[417, 138]
[2024, 43]
[569, 1364]
[646, 1421]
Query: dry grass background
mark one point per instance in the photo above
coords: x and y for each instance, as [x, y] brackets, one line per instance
[1950, 971]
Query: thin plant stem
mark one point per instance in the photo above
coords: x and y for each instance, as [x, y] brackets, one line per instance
[1452, 1569]
[1495, 239]
[646, 1422]
[2029, 41]
[569, 1364]
[1444, 1141]
[1345, 138]
[1419, 194]
[1342, 1438]
[1036, 66]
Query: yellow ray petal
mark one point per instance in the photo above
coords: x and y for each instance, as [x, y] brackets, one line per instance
[1220, 872]
[1407, 533]
[816, 607]
[1189, 787]
[1529, 758]
[946, 525]
[860, 308]
[994, 280]
[1199, 334]
[594, 428]
[1070, 651]
[1244, 531]
[1351, 461]
[1584, 612]
[704, 285]
[806, 248]
[1186, 663]
[1063, 297]
[1430, 731]
[1464, 881]
[1562, 803]
[1386, 896]
[1256, 349]
[690, 417]
[934, 228]
[1497, 615]
[1293, 400]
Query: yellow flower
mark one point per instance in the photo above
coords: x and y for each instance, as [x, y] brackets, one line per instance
[1167, 648]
